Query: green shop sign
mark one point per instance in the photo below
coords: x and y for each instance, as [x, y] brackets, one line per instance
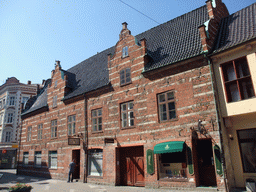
[218, 160]
[150, 162]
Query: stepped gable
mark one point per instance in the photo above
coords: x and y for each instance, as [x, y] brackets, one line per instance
[236, 29]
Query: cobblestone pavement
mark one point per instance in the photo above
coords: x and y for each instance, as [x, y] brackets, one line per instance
[8, 178]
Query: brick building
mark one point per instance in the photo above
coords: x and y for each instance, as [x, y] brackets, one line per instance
[141, 113]
[13, 95]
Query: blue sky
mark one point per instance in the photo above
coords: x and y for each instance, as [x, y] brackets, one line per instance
[35, 33]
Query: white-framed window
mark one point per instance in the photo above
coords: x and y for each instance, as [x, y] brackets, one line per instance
[54, 101]
[127, 114]
[38, 159]
[10, 118]
[125, 51]
[54, 128]
[53, 159]
[12, 101]
[8, 136]
[39, 131]
[25, 158]
[95, 162]
[71, 125]
[29, 133]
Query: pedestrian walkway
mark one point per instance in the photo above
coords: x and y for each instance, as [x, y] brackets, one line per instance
[8, 178]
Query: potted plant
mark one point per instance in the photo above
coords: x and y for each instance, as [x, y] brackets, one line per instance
[20, 187]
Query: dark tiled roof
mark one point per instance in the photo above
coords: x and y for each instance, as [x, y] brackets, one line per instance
[167, 43]
[236, 29]
[40, 101]
[175, 40]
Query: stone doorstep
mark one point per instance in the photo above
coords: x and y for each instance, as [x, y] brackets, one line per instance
[196, 189]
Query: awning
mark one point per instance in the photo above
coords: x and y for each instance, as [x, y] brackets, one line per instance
[169, 147]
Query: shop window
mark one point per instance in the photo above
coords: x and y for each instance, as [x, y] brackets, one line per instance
[54, 128]
[95, 162]
[71, 125]
[237, 80]
[166, 106]
[25, 158]
[127, 114]
[125, 76]
[53, 159]
[39, 131]
[247, 143]
[29, 132]
[38, 158]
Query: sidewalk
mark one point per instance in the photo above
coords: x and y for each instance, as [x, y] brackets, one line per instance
[8, 178]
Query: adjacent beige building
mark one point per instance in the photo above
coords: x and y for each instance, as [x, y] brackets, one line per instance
[13, 95]
[234, 66]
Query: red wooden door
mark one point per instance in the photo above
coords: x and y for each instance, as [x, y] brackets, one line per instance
[139, 171]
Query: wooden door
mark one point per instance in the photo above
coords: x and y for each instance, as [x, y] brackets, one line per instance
[132, 166]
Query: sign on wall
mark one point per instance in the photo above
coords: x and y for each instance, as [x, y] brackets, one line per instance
[73, 141]
[150, 162]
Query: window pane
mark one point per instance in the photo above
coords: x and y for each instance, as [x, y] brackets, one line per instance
[124, 123]
[246, 88]
[172, 114]
[94, 127]
[94, 113]
[242, 67]
[100, 127]
[163, 116]
[131, 122]
[162, 108]
[234, 93]
[99, 112]
[94, 121]
[161, 98]
[171, 105]
[229, 72]
[123, 106]
[100, 120]
[130, 114]
[170, 96]
[130, 105]
[124, 116]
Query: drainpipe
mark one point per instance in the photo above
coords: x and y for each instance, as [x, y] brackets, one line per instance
[215, 93]
[85, 144]
[18, 159]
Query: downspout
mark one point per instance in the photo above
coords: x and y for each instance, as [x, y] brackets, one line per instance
[215, 93]
[85, 141]
[18, 160]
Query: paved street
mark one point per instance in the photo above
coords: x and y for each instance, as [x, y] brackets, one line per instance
[8, 178]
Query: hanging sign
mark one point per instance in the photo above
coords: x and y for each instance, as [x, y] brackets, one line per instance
[73, 141]
[218, 163]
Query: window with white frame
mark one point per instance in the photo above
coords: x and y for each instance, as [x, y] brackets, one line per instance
[25, 158]
[12, 101]
[54, 101]
[53, 159]
[54, 128]
[71, 125]
[8, 136]
[10, 118]
[125, 51]
[39, 131]
[29, 133]
[38, 159]
[95, 162]
[127, 114]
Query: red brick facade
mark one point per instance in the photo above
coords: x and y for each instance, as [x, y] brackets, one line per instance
[195, 121]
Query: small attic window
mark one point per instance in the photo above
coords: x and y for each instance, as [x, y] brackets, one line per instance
[125, 51]
[55, 84]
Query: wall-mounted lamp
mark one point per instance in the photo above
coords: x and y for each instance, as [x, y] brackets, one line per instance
[231, 137]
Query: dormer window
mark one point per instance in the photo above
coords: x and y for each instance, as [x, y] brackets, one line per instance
[125, 51]
[125, 76]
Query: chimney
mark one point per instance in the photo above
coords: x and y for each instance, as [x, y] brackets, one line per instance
[29, 82]
[124, 25]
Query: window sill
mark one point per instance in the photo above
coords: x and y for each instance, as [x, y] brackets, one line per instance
[132, 127]
[241, 100]
[53, 168]
[94, 132]
[166, 121]
[124, 56]
[125, 84]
